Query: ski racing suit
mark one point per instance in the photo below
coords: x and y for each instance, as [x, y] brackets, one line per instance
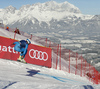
[21, 46]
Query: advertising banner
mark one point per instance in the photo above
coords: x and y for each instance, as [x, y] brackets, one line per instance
[38, 55]
[7, 49]
[35, 54]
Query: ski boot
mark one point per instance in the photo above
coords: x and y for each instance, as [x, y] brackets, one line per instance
[21, 59]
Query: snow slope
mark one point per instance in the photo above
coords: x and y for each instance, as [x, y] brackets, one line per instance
[64, 64]
[8, 34]
[16, 75]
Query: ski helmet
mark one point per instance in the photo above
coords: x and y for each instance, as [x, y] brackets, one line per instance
[28, 41]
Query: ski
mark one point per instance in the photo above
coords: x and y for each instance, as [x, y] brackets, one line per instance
[22, 60]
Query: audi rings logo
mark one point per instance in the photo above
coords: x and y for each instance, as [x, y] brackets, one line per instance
[38, 55]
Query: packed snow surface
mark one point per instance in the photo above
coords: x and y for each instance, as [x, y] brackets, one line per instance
[16, 75]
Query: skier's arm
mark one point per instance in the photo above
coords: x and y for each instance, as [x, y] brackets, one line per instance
[25, 50]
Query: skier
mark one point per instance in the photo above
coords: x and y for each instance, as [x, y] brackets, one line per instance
[22, 46]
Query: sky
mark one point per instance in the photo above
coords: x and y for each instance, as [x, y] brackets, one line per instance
[90, 7]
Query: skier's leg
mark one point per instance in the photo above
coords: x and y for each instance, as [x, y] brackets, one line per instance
[19, 59]
[22, 58]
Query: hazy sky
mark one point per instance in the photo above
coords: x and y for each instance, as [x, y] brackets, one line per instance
[91, 7]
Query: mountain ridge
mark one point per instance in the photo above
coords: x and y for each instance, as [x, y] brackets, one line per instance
[41, 11]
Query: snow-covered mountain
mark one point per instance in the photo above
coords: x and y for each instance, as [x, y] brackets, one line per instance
[40, 14]
[40, 11]
[47, 17]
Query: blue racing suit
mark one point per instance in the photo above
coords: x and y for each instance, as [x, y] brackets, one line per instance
[21, 46]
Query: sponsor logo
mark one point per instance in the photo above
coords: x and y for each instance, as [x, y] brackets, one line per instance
[7, 49]
[38, 55]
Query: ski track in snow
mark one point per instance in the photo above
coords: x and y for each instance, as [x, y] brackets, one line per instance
[16, 75]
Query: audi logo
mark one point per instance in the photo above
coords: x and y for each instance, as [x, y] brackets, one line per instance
[38, 55]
